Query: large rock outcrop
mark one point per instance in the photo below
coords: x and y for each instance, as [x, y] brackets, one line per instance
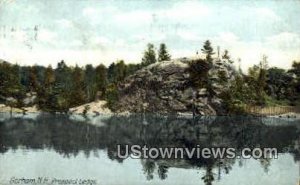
[166, 87]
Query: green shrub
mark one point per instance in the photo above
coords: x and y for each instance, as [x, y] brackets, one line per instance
[112, 96]
[198, 70]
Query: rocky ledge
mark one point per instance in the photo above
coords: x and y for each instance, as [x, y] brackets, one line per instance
[166, 87]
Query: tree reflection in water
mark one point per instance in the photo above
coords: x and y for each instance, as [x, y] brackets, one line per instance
[68, 136]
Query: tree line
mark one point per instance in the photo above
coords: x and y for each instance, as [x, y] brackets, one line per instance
[58, 89]
[261, 86]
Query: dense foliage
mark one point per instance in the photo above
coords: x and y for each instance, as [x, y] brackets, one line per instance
[58, 89]
[263, 86]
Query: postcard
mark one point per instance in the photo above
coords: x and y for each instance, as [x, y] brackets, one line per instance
[156, 92]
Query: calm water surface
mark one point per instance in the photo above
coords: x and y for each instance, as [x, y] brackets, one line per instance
[73, 147]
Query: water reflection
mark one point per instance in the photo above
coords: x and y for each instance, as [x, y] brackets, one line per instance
[71, 135]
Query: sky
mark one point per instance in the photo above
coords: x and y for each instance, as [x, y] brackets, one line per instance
[93, 31]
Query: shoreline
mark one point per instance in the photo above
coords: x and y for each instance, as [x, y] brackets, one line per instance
[99, 107]
[93, 113]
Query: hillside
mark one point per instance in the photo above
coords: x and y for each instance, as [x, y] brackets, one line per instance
[166, 87]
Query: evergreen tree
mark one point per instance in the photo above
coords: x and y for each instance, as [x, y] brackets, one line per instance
[77, 92]
[33, 82]
[226, 55]
[12, 92]
[149, 55]
[111, 72]
[25, 77]
[17, 90]
[121, 69]
[117, 72]
[112, 96]
[279, 83]
[132, 68]
[296, 72]
[45, 93]
[262, 79]
[295, 69]
[60, 97]
[239, 95]
[90, 83]
[5, 80]
[208, 50]
[101, 78]
[163, 54]
[49, 78]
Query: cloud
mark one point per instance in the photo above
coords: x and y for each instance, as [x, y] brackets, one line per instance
[76, 43]
[228, 37]
[141, 39]
[284, 41]
[105, 32]
[281, 49]
[20, 36]
[89, 11]
[266, 13]
[188, 35]
[134, 17]
[92, 15]
[101, 40]
[65, 23]
[188, 10]
[47, 36]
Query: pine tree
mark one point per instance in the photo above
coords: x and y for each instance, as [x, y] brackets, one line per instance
[59, 99]
[33, 82]
[49, 78]
[45, 93]
[208, 50]
[296, 71]
[132, 68]
[101, 79]
[163, 54]
[77, 92]
[15, 90]
[120, 71]
[262, 79]
[90, 83]
[149, 55]
[226, 55]
[117, 72]
[295, 68]
[112, 96]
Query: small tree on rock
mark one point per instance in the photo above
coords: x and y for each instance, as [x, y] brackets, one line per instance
[208, 50]
[149, 55]
[163, 54]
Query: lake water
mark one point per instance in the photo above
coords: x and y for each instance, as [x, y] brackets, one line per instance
[83, 150]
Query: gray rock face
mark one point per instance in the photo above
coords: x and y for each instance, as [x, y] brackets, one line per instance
[30, 99]
[165, 87]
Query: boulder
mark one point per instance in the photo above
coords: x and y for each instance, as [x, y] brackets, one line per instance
[165, 87]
